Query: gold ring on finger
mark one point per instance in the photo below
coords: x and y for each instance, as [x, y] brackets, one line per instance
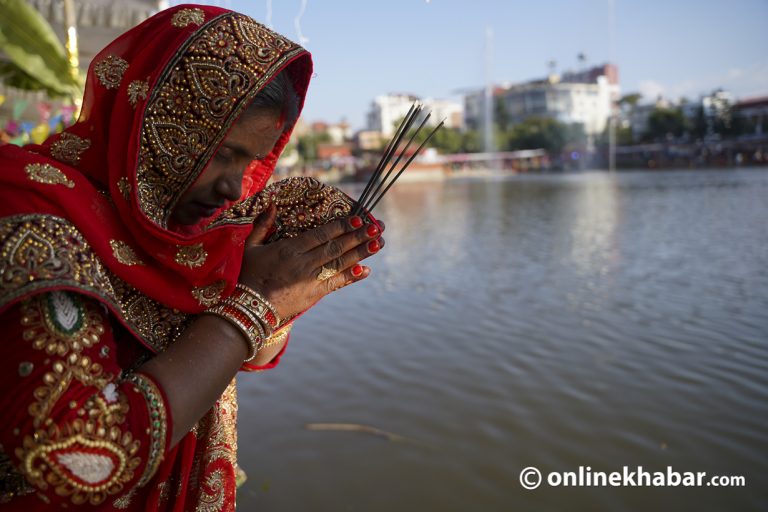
[326, 273]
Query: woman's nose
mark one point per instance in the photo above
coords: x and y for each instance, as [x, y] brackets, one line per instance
[229, 186]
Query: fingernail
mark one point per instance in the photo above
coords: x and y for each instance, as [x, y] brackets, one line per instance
[372, 230]
[373, 246]
[356, 222]
[357, 270]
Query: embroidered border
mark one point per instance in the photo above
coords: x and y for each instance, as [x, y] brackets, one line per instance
[158, 422]
[39, 252]
[197, 98]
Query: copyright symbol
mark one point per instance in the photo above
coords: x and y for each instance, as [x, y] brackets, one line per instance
[530, 478]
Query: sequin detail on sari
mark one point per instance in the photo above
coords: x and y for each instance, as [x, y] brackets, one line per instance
[187, 17]
[124, 253]
[110, 71]
[69, 148]
[191, 256]
[48, 174]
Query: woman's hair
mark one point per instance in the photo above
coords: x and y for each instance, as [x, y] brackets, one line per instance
[278, 95]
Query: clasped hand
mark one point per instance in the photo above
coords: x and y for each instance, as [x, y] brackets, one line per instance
[286, 272]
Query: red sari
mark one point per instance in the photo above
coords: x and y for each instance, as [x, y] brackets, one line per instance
[93, 282]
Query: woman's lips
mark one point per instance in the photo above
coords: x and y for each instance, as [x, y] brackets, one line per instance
[207, 210]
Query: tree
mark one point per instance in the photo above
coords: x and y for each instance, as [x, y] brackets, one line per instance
[471, 142]
[630, 100]
[664, 123]
[307, 145]
[546, 133]
[445, 140]
[38, 60]
[500, 115]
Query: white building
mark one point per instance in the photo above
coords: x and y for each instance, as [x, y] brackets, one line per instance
[586, 98]
[450, 111]
[387, 110]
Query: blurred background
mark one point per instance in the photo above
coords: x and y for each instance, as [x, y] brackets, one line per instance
[576, 270]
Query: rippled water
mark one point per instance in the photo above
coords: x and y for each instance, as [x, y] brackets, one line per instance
[552, 321]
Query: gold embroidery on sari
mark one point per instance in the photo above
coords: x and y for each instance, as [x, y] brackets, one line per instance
[164, 489]
[12, 483]
[68, 325]
[213, 500]
[209, 295]
[48, 174]
[158, 423]
[88, 458]
[124, 187]
[278, 337]
[302, 204]
[188, 16]
[124, 253]
[191, 255]
[41, 251]
[137, 90]
[124, 502]
[219, 432]
[200, 94]
[110, 71]
[69, 148]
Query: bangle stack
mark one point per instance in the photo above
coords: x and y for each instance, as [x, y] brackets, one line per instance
[251, 313]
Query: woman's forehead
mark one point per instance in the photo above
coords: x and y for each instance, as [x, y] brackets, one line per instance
[255, 133]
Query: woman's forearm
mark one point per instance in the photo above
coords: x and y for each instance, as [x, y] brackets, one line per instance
[198, 366]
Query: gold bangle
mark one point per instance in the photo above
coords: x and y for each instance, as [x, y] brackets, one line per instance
[240, 318]
[258, 303]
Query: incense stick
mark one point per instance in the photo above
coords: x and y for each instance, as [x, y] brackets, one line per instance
[372, 192]
[387, 155]
[370, 209]
[399, 157]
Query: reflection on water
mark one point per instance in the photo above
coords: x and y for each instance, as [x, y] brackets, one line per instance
[552, 321]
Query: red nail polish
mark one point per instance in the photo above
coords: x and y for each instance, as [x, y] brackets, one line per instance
[357, 270]
[372, 230]
[356, 222]
[373, 246]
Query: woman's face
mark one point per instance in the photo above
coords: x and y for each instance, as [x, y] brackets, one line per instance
[251, 138]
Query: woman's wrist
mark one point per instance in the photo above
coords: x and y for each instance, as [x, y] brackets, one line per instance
[253, 316]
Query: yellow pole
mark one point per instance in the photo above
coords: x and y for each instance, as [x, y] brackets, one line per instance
[70, 24]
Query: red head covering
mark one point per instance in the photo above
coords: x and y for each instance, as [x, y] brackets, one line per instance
[158, 102]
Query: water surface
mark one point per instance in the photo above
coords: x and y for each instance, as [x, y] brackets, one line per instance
[554, 321]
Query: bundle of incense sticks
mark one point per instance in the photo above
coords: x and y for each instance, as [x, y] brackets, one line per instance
[377, 185]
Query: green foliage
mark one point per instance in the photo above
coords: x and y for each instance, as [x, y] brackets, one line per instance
[546, 133]
[307, 145]
[664, 123]
[445, 140]
[38, 60]
[631, 99]
[500, 115]
[471, 142]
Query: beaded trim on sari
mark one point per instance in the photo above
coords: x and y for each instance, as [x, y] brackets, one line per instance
[44, 252]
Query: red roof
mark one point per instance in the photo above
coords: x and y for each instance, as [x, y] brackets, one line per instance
[752, 102]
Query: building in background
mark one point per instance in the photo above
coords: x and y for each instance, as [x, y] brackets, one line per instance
[585, 97]
[389, 109]
[754, 112]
